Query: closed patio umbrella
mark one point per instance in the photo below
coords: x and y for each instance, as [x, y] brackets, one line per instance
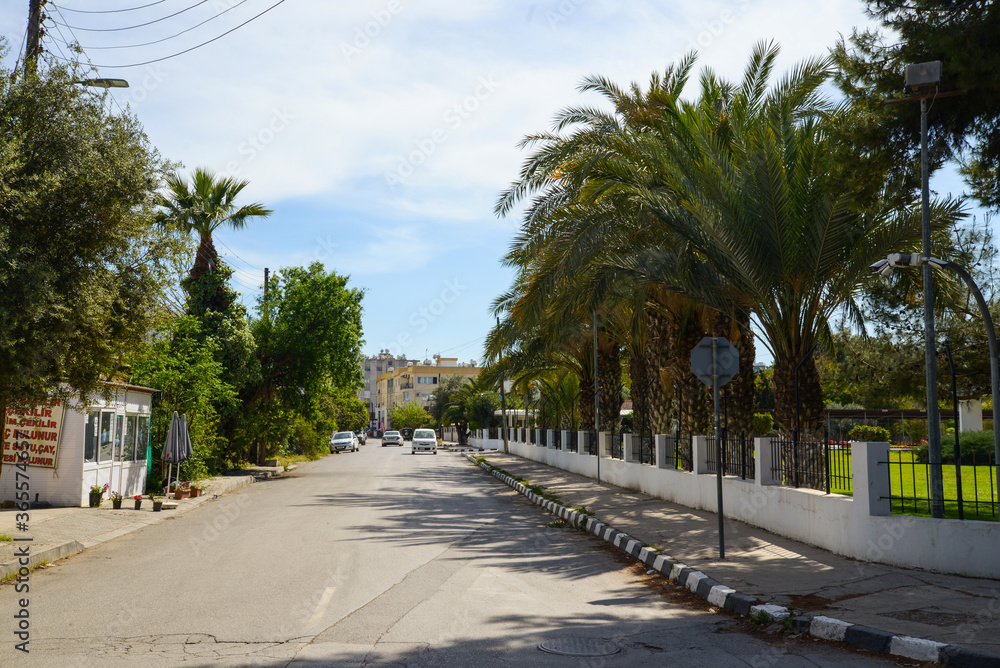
[177, 447]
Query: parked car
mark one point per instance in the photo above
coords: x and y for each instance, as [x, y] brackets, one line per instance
[392, 438]
[362, 437]
[424, 440]
[407, 433]
[343, 440]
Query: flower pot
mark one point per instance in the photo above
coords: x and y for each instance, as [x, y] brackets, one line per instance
[116, 504]
[95, 499]
[138, 504]
[181, 493]
[195, 493]
[157, 506]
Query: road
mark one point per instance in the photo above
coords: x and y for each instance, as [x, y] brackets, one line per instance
[372, 558]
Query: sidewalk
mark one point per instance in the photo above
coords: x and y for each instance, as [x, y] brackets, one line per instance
[948, 609]
[56, 533]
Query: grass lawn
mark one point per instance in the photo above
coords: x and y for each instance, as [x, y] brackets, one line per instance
[910, 489]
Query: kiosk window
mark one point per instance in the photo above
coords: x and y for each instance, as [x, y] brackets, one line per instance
[128, 453]
[107, 436]
[143, 440]
[90, 437]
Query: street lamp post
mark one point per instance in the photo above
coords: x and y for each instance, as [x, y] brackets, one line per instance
[885, 267]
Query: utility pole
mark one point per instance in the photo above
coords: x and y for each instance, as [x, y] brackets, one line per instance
[267, 376]
[503, 406]
[33, 45]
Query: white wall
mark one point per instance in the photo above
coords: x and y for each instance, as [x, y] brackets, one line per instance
[833, 522]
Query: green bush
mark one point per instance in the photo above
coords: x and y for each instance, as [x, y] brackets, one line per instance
[977, 446]
[305, 440]
[762, 424]
[870, 433]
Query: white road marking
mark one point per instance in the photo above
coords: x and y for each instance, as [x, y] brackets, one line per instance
[324, 601]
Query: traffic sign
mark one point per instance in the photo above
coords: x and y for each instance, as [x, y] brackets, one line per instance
[726, 362]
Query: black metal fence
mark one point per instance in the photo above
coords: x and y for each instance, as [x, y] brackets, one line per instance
[737, 455]
[557, 439]
[543, 437]
[531, 436]
[592, 443]
[643, 448]
[909, 486]
[812, 464]
[680, 445]
[573, 441]
[617, 448]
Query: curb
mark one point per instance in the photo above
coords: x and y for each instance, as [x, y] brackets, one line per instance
[69, 548]
[728, 598]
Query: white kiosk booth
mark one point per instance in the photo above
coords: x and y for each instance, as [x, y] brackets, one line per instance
[73, 447]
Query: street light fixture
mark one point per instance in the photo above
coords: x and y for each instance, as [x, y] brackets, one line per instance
[103, 83]
[885, 267]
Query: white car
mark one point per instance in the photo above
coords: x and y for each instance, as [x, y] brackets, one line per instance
[343, 440]
[424, 440]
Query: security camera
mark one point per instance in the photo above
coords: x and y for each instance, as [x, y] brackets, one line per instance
[882, 268]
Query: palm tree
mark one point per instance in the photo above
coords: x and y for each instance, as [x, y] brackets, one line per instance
[203, 207]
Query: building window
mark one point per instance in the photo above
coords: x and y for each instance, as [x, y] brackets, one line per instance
[90, 439]
[426, 380]
[406, 396]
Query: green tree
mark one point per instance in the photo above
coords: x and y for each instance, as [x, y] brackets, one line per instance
[308, 337]
[182, 364]
[745, 180]
[82, 268]
[202, 207]
[408, 415]
[962, 35]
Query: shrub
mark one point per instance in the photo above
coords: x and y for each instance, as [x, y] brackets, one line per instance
[977, 446]
[870, 433]
[762, 424]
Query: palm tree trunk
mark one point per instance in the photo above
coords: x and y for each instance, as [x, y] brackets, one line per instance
[609, 378]
[740, 390]
[205, 259]
[658, 351]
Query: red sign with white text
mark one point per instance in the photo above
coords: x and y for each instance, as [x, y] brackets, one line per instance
[35, 430]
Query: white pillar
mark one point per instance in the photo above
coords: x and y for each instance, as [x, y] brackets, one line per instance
[699, 454]
[582, 446]
[970, 415]
[764, 462]
[564, 439]
[871, 478]
[604, 444]
[550, 438]
[664, 455]
[627, 448]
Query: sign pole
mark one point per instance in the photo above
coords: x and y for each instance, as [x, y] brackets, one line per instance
[718, 444]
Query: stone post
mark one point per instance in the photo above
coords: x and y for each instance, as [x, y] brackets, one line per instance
[871, 478]
[699, 454]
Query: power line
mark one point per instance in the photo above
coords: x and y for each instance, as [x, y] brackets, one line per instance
[112, 11]
[197, 25]
[138, 25]
[180, 53]
[234, 253]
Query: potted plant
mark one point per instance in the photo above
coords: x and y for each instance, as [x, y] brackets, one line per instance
[97, 495]
[157, 503]
[116, 500]
[182, 490]
[138, 501]
[196, 489]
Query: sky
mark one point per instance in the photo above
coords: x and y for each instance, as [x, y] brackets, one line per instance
[382, 132]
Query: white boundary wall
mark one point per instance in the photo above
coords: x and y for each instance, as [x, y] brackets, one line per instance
[859, 527]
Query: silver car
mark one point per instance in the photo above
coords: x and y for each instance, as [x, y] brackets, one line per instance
[343, 440]
[424, 440]
[392, 438]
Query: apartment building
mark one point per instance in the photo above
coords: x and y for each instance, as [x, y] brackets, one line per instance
[416, 382]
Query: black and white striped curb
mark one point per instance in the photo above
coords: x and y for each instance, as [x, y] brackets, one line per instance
[728, 598]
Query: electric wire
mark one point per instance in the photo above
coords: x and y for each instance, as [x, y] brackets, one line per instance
[138, 25]
[223, 243]
[197, 25]
[112, 11]
[180, 53]
[84, 53]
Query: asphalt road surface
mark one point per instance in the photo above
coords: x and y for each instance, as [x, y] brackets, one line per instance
[376, 558]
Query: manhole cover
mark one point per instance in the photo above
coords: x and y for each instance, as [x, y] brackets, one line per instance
[579, 647]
